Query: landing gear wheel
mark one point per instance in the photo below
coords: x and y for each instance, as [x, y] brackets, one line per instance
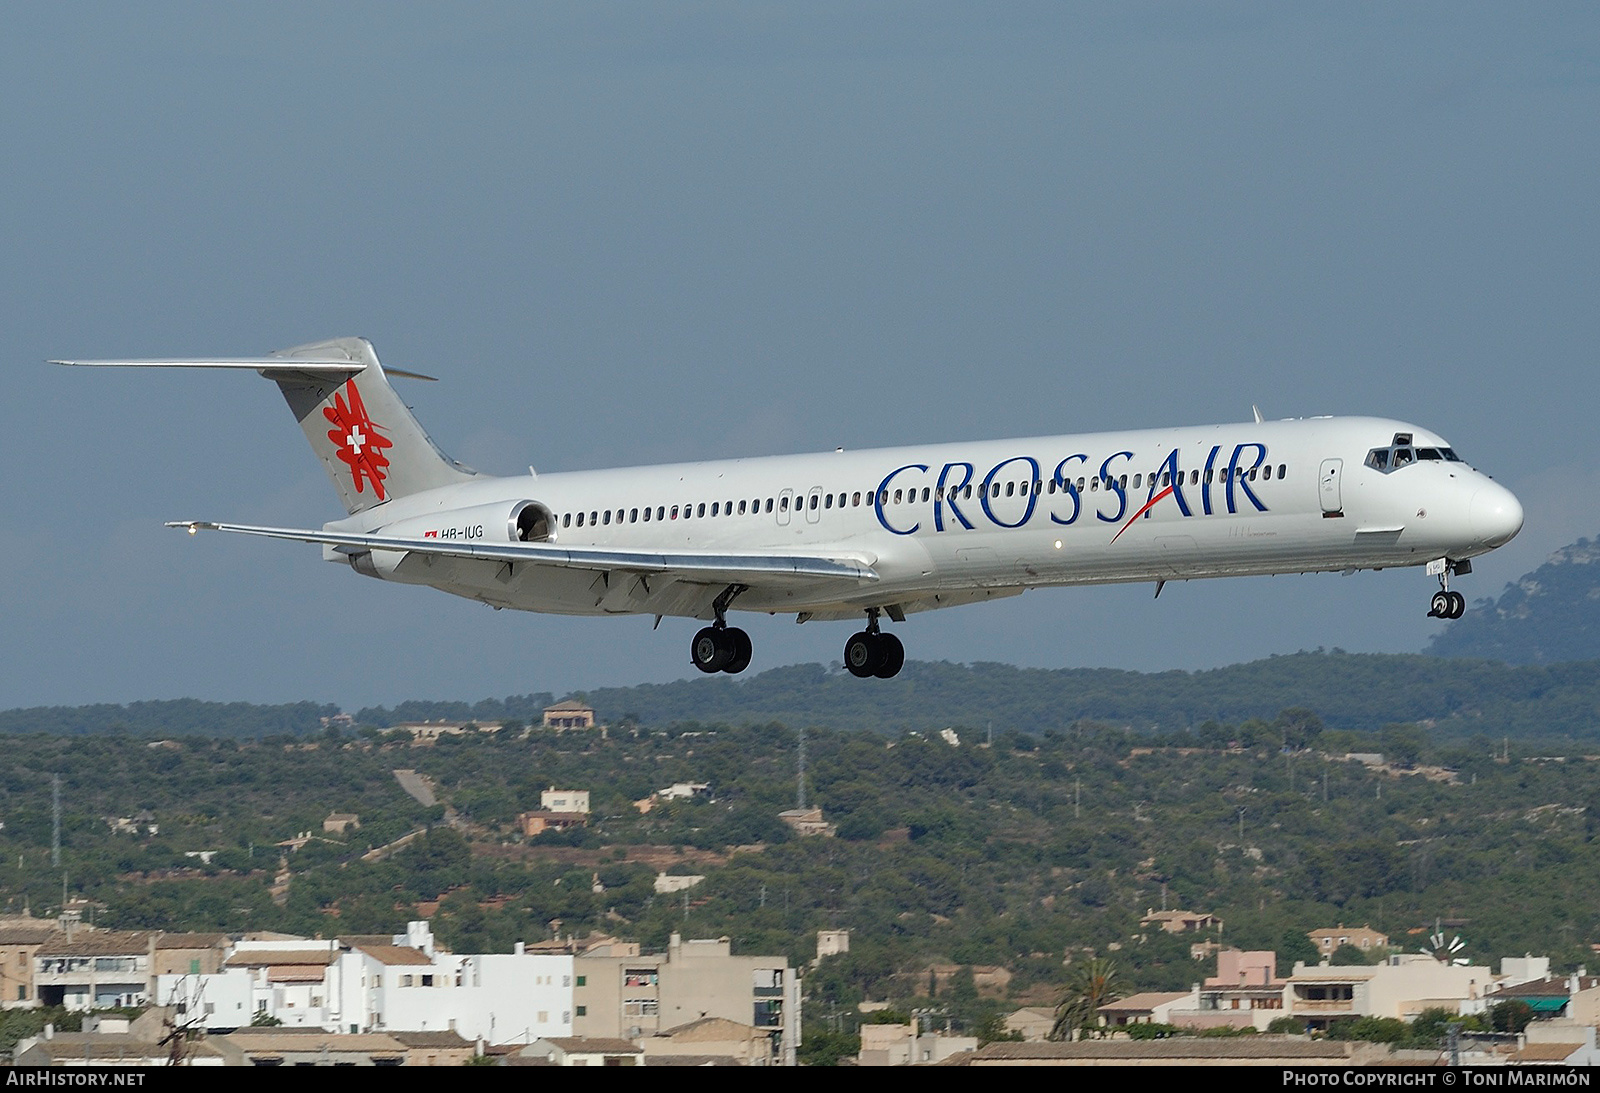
[711, 651]
[1458, 606]
[861, 654]
[1441, 606]
[740, 642]
[891, 657]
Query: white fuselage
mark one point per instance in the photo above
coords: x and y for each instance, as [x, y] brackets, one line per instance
[944, 524]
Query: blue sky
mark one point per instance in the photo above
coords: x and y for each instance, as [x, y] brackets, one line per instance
[630, 233]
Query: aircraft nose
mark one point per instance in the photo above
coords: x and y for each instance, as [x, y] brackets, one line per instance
[1496, 515]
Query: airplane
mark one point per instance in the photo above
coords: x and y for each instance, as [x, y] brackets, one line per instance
[871, 534]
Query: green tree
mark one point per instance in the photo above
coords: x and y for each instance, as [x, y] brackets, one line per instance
[1512, 1016]
[822, 1046]
[1092, 984]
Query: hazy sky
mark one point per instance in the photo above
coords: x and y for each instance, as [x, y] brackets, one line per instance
[630, 233]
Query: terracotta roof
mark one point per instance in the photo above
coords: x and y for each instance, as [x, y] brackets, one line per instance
[107, 1047]
[1174, 1050]
[191, 941]
[266, 958]
[1142, 1003]
[595, 1045]
[1545, 1053]
[396, 955]
[714, 1028]
[450, 1038]
[1555, 986]
[108, 943]
[259, 1041]
[26, 935]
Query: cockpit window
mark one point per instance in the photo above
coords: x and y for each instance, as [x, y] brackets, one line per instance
[1400, 454]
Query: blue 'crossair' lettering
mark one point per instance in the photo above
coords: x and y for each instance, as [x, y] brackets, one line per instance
[957, 477]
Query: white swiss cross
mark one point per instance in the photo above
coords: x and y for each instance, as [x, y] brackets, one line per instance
[355, 440]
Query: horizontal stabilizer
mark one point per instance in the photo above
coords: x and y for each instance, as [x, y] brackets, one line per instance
[330, 367]
[258, 364]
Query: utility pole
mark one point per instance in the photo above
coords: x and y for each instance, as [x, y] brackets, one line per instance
[55, 825]
[800, 776]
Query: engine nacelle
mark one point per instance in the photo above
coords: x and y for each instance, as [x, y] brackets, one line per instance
[502, 522]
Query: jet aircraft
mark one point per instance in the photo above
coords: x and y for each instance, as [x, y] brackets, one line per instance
[872, 534]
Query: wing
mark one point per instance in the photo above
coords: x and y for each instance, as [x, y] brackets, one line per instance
[741, 567]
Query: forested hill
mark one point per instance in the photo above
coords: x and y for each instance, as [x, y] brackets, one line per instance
[181, 716]
[1354, 691]
[1549, 615]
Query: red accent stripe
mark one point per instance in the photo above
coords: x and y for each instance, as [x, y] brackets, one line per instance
[1148, 505]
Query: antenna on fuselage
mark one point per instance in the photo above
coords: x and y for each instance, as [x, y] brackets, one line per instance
[1256, 410]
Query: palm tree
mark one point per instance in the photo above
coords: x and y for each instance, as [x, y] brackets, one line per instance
[1092, 984]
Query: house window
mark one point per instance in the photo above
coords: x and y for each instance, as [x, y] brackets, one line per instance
[583, 980]
[583, 1011]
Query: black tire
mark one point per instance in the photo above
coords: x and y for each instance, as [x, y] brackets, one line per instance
[710, 651]
[1441, 606]
[861, 654]
[891, 656]
[1458, 605]
[742, 651]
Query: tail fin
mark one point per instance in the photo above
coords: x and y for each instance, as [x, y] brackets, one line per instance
[365, 437]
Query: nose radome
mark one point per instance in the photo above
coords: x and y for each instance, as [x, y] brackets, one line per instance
[1496, 515]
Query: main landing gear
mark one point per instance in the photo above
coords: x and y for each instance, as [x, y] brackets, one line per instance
[720, 647]
[1447, 604]
[872, 653]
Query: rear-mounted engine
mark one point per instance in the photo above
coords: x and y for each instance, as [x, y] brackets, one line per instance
[502, 522]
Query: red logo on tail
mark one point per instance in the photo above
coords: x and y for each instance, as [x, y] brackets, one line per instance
[358, 441]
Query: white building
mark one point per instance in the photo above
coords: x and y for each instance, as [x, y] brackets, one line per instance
[408, 986]
[1402, 987]
[564, 800]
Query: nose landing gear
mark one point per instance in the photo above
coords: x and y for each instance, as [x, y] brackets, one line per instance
[1447, 604]
[874, 653]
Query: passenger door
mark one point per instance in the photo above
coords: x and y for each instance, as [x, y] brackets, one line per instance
[1328, 485]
